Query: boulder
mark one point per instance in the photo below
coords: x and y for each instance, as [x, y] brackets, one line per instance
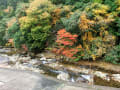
[116, 77]
[1, 83]
[23, 59]
[14, 58]
[80, 79]
[89, 78]
[3, 59]
[51, 60]
[43, 59]
[63, 76]
[39, 55]
[102, 75]
[34, 62]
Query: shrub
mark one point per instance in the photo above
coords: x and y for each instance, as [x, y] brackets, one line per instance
[113, 55]
[20, 10]
[2, 32]
[97, 1]
[19, 39]
[112, 4]
[65, 38]
[35, 27]
[58, 1]
[13, 29]
[65, 44]
[57, 14]
[71, 23]
[76, 4]
[69, 2]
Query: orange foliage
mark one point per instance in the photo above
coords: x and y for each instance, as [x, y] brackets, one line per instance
[68, 52]
[85, 23]
[56, 15]
[65, 40]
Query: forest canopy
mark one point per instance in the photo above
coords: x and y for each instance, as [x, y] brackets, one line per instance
[75, 29]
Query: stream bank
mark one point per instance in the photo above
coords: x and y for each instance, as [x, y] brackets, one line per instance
[47, 64]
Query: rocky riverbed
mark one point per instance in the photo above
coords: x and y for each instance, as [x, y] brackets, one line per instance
[48, 64]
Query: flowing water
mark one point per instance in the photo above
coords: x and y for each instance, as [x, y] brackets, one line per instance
[53, 68]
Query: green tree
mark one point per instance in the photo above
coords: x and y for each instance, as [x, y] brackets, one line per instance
[35, 27]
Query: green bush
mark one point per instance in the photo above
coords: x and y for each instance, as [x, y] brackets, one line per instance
[12, 30]
[71, 24]
[111, 3]
[114, 55]
[58, 1]
[77, 4]
[2, 32]
[114, 28]
[20, 10]
[97, 1]
[19, 39]
[69, 2]
[35, 27]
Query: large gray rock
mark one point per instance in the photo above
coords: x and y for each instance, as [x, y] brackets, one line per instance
[63, 76]
[80, 79]
[20, 80]
[14, 58]
[1, 83]
[24, 80]
[3, 59]
[39, 55]
[89, 78]
[102, 75]
[51, 60]
[4, 50]
[116, 77]
[34, 62]
[43, 59]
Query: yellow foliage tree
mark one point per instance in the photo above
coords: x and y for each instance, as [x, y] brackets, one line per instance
[101, 17]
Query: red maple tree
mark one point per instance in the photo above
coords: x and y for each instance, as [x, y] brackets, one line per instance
[65, 42]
